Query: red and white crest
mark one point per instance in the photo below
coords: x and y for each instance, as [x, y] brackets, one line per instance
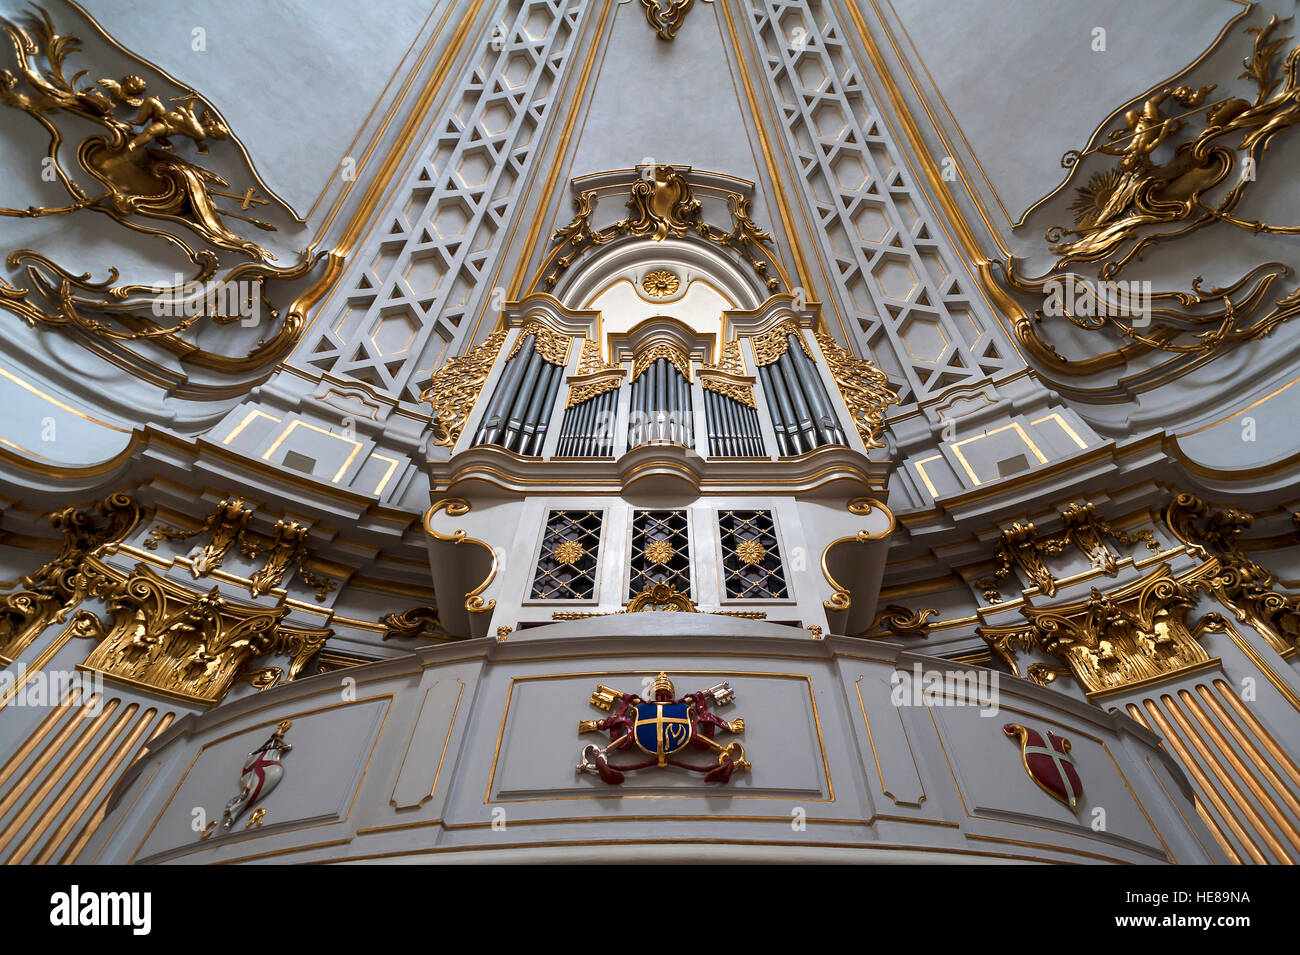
[1049, 764]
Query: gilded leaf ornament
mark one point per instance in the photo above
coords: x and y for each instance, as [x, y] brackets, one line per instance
[455, 387]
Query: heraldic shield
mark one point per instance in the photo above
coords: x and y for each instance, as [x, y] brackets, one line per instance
[662, 728]
[1049, 764]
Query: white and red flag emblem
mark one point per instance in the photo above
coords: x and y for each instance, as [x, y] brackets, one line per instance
[1049, 764]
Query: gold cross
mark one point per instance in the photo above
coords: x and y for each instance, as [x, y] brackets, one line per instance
[660, 722]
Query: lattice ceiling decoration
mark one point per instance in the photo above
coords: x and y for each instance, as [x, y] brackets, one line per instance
[425, 271]
[911, 308]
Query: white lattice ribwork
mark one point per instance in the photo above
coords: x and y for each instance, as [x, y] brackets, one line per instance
[412, 286]
[912, 310]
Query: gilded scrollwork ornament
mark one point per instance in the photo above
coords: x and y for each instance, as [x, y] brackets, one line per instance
[864, 387]
[225, 525]
[187, 645]
[456, 386]
[1021, 546]
[50, 593]
[662, 204]
[1242, 584]
[144, 169]
[666, 17]
[1138, 634]
[418, 622]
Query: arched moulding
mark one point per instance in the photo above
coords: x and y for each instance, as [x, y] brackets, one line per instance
[457, 570]
[854, 573]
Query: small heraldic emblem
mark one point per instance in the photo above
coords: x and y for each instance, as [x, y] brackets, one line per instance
[661, 728]
[1049, 764]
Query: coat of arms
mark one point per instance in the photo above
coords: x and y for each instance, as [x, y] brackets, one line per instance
[661, 729]
[1049, 764]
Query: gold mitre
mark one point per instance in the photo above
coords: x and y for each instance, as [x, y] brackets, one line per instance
[662, 683]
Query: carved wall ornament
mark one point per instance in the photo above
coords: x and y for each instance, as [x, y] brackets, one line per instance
[662, 204]
[864, 388]
[661, 728]
[1237, 581]
[660, 283]
[261, 773]
[456, 386]
[418, 622]
[1111, 642]
[666, 16]
[657, 598]
[49, 594]
[186, 645]
[1021, 546]
[225, 525]
[1136, 202]
[899, 621]
[134, 171]
[1117, 209]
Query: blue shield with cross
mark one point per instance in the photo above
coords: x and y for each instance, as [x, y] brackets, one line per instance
[662, 728]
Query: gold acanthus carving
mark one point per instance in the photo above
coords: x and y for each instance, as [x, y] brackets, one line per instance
[1195, 322]
[656, 350]
[227, 526]
[666, 18]
[1021, 546]
[549, 344]
[727, 377]
[663, 204]
[456, 386]
[772, 344]
[49, 594]
[418, 622]
[185, 645]
[1116, 210]
[1240, 583]
[899, 621]
[139, 175]
[1137, 635]
[594, 376]
[864, 388]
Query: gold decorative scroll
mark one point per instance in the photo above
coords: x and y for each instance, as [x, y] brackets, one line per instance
[181, 644]
[663, 205]
[736, 391]
[656, 350]
[772, 344]
[226, 524]
[131, 169]
[899, 621]
[49, 594]
[418, 622]
[1118, 212]
[1241, 584]
[864, 388]
[455, 387]
[550, 345]
[666, 18]
[659, 597]
[1137, 635]
[1021, 546]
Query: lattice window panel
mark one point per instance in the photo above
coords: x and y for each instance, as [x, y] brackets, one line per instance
[661, 551]
[408, 298]
[566, 564]
[912, 308]
[752, 568]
